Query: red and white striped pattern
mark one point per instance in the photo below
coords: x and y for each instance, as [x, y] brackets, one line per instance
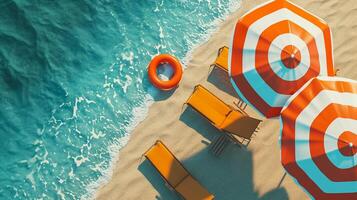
[319, 137]
[276, 48]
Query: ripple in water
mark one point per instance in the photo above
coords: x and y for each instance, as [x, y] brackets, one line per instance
[73, 78]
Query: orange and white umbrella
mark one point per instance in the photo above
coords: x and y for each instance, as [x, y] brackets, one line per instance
[319, 137]
[276, 48]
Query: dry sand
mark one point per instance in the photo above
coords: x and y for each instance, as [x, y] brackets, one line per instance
[252, 173]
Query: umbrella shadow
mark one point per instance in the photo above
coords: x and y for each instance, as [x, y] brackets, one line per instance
[227, 177]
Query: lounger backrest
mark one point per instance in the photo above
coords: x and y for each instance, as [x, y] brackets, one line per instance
[165, 162]
[231, 119]
[208, 105]
[222, 59]
[240, 124]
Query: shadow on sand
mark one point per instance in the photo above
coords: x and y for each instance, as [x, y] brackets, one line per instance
[200, 124]
[155, 93]
[228, 177]
[220, 79]
[157, 182]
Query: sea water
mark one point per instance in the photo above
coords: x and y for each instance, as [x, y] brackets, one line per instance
[73, 84]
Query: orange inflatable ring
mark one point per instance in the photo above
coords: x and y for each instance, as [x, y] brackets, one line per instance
[176, 66]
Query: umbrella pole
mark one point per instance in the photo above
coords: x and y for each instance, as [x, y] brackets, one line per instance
[281, 181]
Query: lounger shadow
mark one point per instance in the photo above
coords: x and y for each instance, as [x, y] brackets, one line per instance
[177, 177]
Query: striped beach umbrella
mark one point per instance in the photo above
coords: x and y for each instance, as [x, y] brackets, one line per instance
[319, 137]
[276, 48]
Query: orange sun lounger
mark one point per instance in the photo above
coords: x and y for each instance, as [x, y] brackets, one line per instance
[221, 115]
[222, 59]
[175, 174]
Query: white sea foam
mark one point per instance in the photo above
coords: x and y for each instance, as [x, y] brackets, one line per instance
[140, 112]
[31, 179]
[61, 194]
[96, 135]
[75, 108]
[79, 160]
[233, 6]
[128, 56]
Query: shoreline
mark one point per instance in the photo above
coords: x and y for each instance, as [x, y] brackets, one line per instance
[189, 141]
[153, 93]
[115, 149]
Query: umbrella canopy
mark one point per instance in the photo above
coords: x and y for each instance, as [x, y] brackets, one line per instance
[319, 137]
[277, 48]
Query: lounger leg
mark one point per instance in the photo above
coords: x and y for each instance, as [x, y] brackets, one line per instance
[244, 105]
[219, 51]
[210, 69]
[184, 106]
[247, 142]
[234, 140]
[240, 104]
[336, 71]
[141, 159]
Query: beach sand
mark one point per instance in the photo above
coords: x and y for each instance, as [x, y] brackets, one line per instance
[239, 173]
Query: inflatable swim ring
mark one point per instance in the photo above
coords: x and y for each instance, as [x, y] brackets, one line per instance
[175, 65]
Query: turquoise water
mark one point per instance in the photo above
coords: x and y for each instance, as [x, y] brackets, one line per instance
[73, 84]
